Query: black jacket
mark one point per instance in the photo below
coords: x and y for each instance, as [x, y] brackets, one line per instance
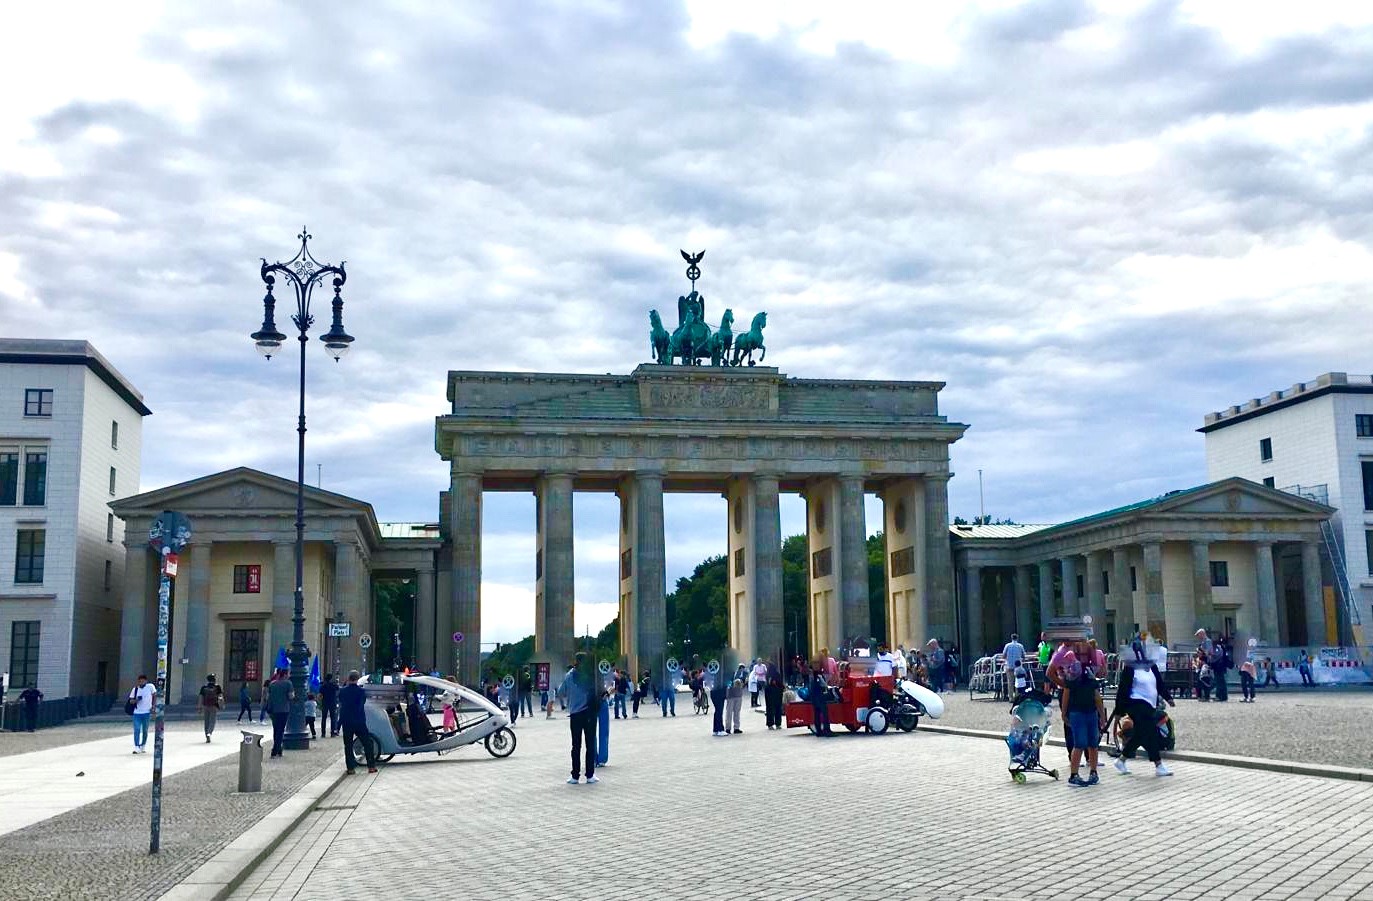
[1127, 683]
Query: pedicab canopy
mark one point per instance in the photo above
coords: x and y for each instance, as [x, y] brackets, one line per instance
[1068, 628]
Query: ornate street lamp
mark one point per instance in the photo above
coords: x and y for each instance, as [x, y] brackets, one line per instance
[303, 273]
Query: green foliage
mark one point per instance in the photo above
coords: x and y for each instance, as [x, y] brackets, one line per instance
[395, 612]
[698, 612]
[983, 521]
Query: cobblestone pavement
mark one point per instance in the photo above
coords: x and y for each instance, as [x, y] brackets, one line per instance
[681, 814]
[100, 850]
[1318, 726]
[12, 743]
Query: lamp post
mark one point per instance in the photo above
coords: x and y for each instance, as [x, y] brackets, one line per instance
[303, 273]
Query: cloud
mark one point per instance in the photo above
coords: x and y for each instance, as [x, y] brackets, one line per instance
[1096, 222]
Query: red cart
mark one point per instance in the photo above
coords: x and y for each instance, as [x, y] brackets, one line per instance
[858, 706]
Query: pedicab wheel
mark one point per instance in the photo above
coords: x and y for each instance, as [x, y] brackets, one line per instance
[877, 721]
[1018, 777]
[360, 750]
[501, 743]
[387, 759]
[906, 718]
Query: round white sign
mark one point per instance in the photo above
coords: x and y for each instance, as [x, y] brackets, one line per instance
[364, 641]
[713, 667]
[604, 667]
[508, 681]
[673, 665]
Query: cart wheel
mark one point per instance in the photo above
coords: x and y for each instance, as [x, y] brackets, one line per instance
[387, 759]
[501, 743]
[877, 721]
[1019, 777]
[360, 750]
[906, 718]
[1054, 774]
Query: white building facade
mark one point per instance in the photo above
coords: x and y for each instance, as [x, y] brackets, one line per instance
[70, 443]
[1314, 439]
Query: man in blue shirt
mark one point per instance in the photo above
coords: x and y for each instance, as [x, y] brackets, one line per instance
[579, 690]
[352, 701]
[1014, 652]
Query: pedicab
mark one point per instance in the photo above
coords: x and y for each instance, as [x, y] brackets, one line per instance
[479, 720]
[862, 700]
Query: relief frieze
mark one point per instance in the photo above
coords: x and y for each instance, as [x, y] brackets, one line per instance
[705, 449]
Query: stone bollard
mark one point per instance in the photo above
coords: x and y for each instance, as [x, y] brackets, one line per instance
[250, 762]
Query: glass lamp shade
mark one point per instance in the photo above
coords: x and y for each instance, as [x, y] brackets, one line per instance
[267, 341]
[337, 349]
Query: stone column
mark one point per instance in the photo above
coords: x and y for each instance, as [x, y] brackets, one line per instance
[197, 641]
[353, 598]
[1095, 603]
[1024, 603]
[556, 635]
[135, 627]
[741, 599]
[426, 634]
[283, 600]
[939, 600]
[1267, 593]
[466, 525]
[1312, 596]
[1203, 606]
[972, 580]
[767, 538]
[903, 502]
[650, 580]
[1122, 593]
[853, 542]
[1071, 602]
[1046, 594]
[1153, 590]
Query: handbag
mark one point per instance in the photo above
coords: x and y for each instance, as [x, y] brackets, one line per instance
[129, 705]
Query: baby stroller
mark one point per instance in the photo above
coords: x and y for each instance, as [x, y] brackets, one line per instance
[1029, 722]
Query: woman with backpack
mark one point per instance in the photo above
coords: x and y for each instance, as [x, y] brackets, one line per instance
[1138, 695]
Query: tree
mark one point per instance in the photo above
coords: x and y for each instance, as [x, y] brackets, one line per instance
[983, 521]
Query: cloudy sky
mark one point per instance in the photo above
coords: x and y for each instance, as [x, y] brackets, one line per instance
[1096, 222]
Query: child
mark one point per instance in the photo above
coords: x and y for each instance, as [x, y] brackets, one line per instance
[1017, 740]
[311, 708]
[1022, 678]
[734, 703]
[1086, 714]
[450, 716]
[1206, 680]
[1248, 673]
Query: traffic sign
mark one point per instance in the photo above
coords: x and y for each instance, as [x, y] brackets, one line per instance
[673, 665]
[364, 641]
[508, 681]
[713, 667]
[340, 630]
[457, 638]
[604, 667]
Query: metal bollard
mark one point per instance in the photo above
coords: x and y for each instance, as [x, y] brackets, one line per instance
[250, 762]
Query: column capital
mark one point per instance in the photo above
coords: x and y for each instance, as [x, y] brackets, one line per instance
[557, 474]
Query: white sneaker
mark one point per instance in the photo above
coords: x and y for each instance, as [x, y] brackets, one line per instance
[592, 780]
[1162, 770]
[1122, 767]
[572, 780]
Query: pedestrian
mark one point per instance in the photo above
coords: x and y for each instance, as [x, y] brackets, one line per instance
[262, 702]
[816, 694]
[935, 662]
[580, 696]
[352, 714]
[524, 684]
[951, 663]
[280, 694]
[245, 703]
[513, 701]
[734, 703]
[30, 696]
[328, 697]
[1247, 673]
[141, 696]
[1013, 652]
[1138, 695]
[450, 715]
[830, 667]
[1270, 671]
[1216, 655]
[210, 700]
[1304, 669]
[1046, 650]
[621, 694]
[760, 680]
[311, 708]
[719, 694]
[1086, 714]
[772, 699]
[899, 663]
[667, 696]
[641, 691]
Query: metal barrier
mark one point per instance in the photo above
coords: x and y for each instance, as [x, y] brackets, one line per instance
[55, 712]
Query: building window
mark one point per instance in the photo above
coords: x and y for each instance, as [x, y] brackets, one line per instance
[1367, 484]
[114, 434]
[37, 401]
[9, 478]
[112, 480]
[109, 527]
[28, 557]
[1106, 587]
[24, 653]
[109, 574]
[1265, 449]
[248, 579]
[35, 478]
[1081, 592]
[1134, 582]
[1269, 483]
[1368, 549]
[1363, 425]
[1220, 574]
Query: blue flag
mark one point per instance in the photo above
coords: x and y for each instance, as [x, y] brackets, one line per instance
[314, 674]
[282, 661]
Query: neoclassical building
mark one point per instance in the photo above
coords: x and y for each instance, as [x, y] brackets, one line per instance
[1231, 555]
